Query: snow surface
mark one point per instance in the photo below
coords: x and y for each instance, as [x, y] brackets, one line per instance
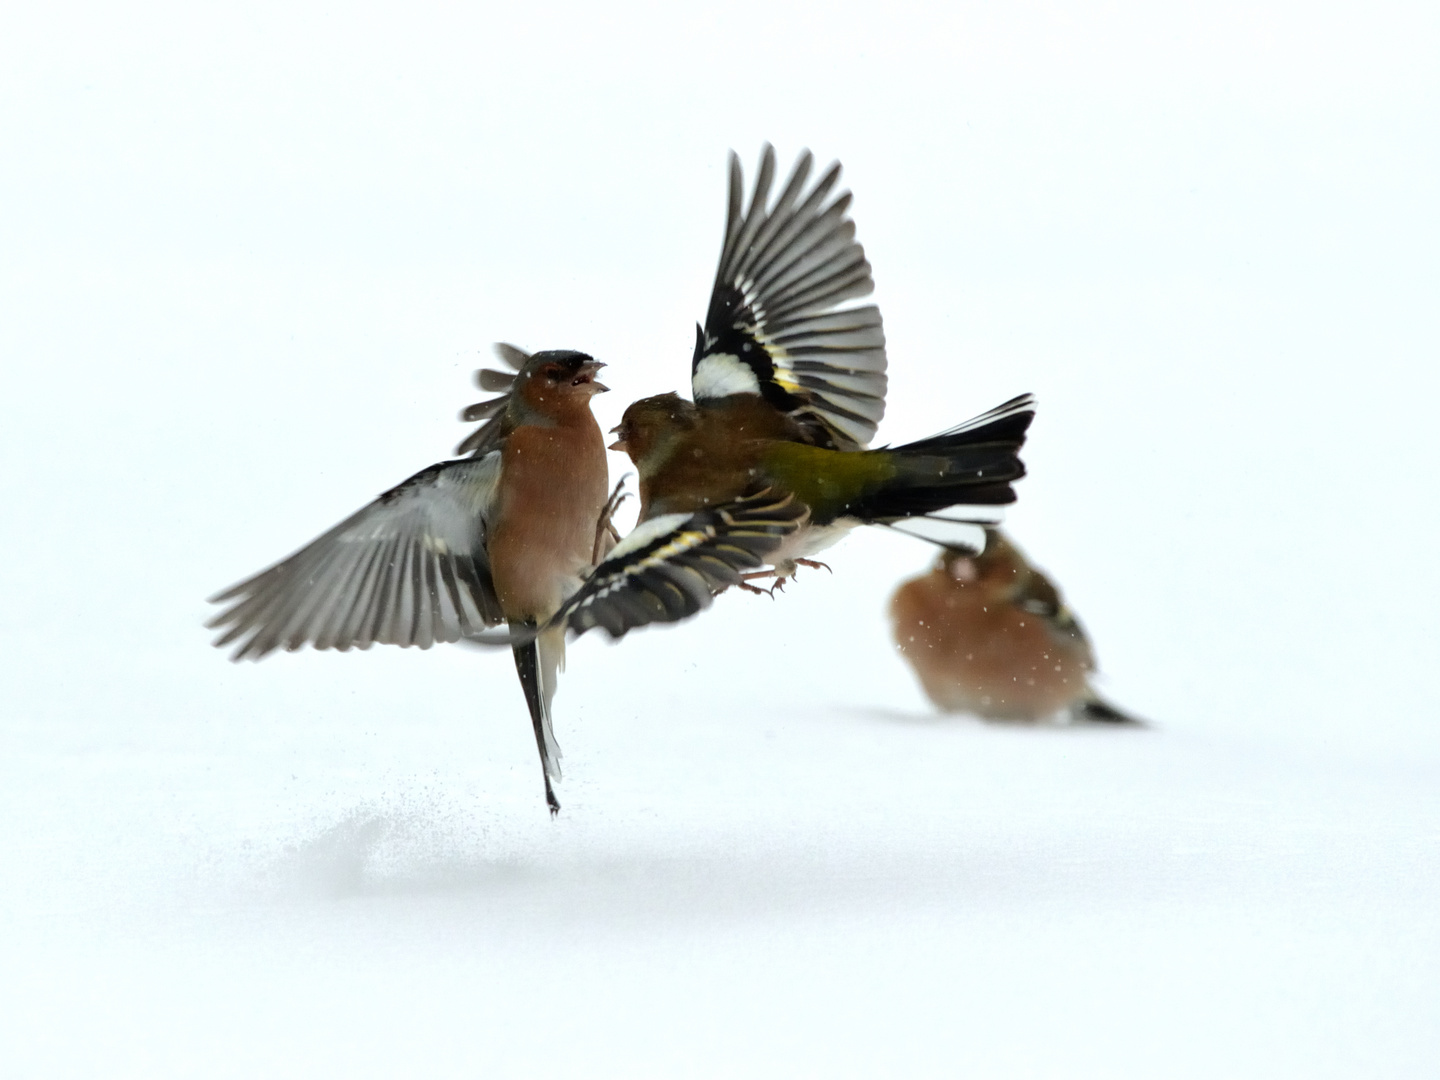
[248, 262]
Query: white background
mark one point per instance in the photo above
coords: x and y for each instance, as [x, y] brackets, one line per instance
[249, 259]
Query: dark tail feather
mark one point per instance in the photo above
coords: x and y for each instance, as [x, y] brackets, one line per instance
[527, 665]
[1006, 423]
[970, 465]
[1102, 712]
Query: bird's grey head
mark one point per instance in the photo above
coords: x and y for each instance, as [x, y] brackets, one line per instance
[559, 367]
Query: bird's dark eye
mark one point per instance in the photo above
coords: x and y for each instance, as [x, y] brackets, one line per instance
[553, 373]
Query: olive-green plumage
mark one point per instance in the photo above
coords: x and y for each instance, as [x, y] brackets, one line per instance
[827, 481]
[691, 457]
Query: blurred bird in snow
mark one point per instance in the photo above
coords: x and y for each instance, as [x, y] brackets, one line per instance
[789, 386]
[510, 533]
[989, 634]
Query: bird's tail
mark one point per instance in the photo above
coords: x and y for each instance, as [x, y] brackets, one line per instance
[1098, 709]
[966, 471]
[537, 662]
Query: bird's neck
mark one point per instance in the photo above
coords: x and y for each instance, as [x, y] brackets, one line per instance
[573, 415]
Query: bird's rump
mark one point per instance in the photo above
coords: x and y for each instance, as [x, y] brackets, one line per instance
[972, 464]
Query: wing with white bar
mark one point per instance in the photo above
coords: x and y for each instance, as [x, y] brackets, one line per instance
[669, 568]
[776, 325]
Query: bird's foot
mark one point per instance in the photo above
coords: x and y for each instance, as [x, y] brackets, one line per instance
[550, 799]
[770, 592]
[814, 564]
[617, 496]
[606, 535]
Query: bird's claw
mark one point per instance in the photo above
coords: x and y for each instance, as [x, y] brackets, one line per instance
[814, 564]
[770, 592]
[606, 535]
[618, 496]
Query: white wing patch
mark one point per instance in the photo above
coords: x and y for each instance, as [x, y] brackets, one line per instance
[645, 532]
[787, 272]
[722, 374]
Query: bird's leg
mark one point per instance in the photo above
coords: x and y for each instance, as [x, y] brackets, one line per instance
[813, 564]
[606, 535]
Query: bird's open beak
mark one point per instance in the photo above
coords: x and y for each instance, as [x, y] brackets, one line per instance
[619, 444]
[586, 374]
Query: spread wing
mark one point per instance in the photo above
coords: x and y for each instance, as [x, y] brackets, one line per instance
[775, 326]
[409, 569]
[487, 436]
[669, 568]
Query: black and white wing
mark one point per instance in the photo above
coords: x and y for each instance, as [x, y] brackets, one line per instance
[488, 435]
[669, 568]
[409, 569]
[775, 325]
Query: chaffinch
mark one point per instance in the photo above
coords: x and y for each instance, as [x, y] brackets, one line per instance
[509, 534]
[443, 552]
[989, 634]
[789, 387]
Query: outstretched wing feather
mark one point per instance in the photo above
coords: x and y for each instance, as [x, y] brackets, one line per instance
[669, 567]
[409, 569]
[783, 271]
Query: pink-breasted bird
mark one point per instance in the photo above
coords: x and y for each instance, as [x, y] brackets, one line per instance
[989, 634]
[506, 534]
